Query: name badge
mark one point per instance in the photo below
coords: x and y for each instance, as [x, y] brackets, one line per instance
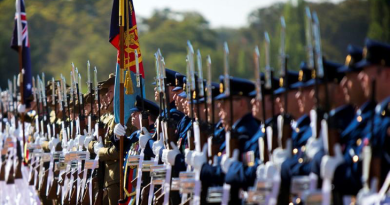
[89, 164]
[45, 157]
[249, 158]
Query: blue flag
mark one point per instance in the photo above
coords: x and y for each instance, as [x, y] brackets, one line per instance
[22, 32]
[131, 44]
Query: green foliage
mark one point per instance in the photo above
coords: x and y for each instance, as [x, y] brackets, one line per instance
[380, 20]
[62, 32]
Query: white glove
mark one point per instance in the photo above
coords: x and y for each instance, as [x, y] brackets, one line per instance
[313, 123]
[158, 145]
[87, 140]
[64, 144]
[215, 161]
[80, 139]
[119, 130]
[280, 155]
[53, 143]
[70, 144]
[329, 164]
[313, 146]
[171, 155]
[199, 158]
[21, 108]
[164, 156]
[97, 146]
[188, 156]
[270, 170]
[144, 137]
[16, 133]
[226, 161]
[260, 171]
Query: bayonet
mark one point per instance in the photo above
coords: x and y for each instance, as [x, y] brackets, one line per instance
[282, 47]
[256, 55]
[318, 52]
[53, 91]
[200, 75]
[268, 69]
[226, 69]
[309, 38]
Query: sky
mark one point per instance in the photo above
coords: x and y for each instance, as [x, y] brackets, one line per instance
[220, 13]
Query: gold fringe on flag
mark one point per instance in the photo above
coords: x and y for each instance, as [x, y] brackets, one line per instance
[128, 84]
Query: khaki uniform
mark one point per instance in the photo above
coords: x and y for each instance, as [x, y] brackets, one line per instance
[110, 156]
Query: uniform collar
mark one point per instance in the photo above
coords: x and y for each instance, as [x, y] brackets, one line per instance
[382, 106]
[242, 121]
[366, 107]
[302, 121]
[340, 109]
[172, 105]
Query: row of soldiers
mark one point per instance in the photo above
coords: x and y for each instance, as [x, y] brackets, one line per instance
[319, 135]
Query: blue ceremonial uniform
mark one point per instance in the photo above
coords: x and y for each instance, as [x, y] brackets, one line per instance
[347, 176]
[291, 166]
[181, 133]
[213, 175]
[380, 141]
[176, 115]
[242, 174]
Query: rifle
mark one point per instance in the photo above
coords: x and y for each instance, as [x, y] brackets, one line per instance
[372, 174]
[2, 157]
[31, 179]
[102, 164]
[144, 123]
[157, 79]
[213, 148]
[319, 71]
[169, 126]
[286, 127]
[199, 91]
[189, 90]
[12, 93]
[269, 75]
[263, 142]
[231, 140]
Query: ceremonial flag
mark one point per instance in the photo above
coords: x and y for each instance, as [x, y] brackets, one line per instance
[130, 44]
[20, 38]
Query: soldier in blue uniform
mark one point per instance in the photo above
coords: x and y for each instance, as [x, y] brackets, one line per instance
[151, 109]
[146, 140]
[308, 146]
[347, 173]
[375, 78]
[244, 126]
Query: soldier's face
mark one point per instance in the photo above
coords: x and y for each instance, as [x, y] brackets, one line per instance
[256, 109]
[177, 99]
[305, 103]
[224, 112]
[215, 115]
[279, 103]
[135, 119]
[202, 111]
[292, 103]
[110, 95]
[183, 105]
[87, 108]
[352, 88]
[366, 76]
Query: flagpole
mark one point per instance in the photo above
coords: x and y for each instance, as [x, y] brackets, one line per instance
[21, 71]
[121, 91]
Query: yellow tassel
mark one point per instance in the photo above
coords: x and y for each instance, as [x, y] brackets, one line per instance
[128, 84]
